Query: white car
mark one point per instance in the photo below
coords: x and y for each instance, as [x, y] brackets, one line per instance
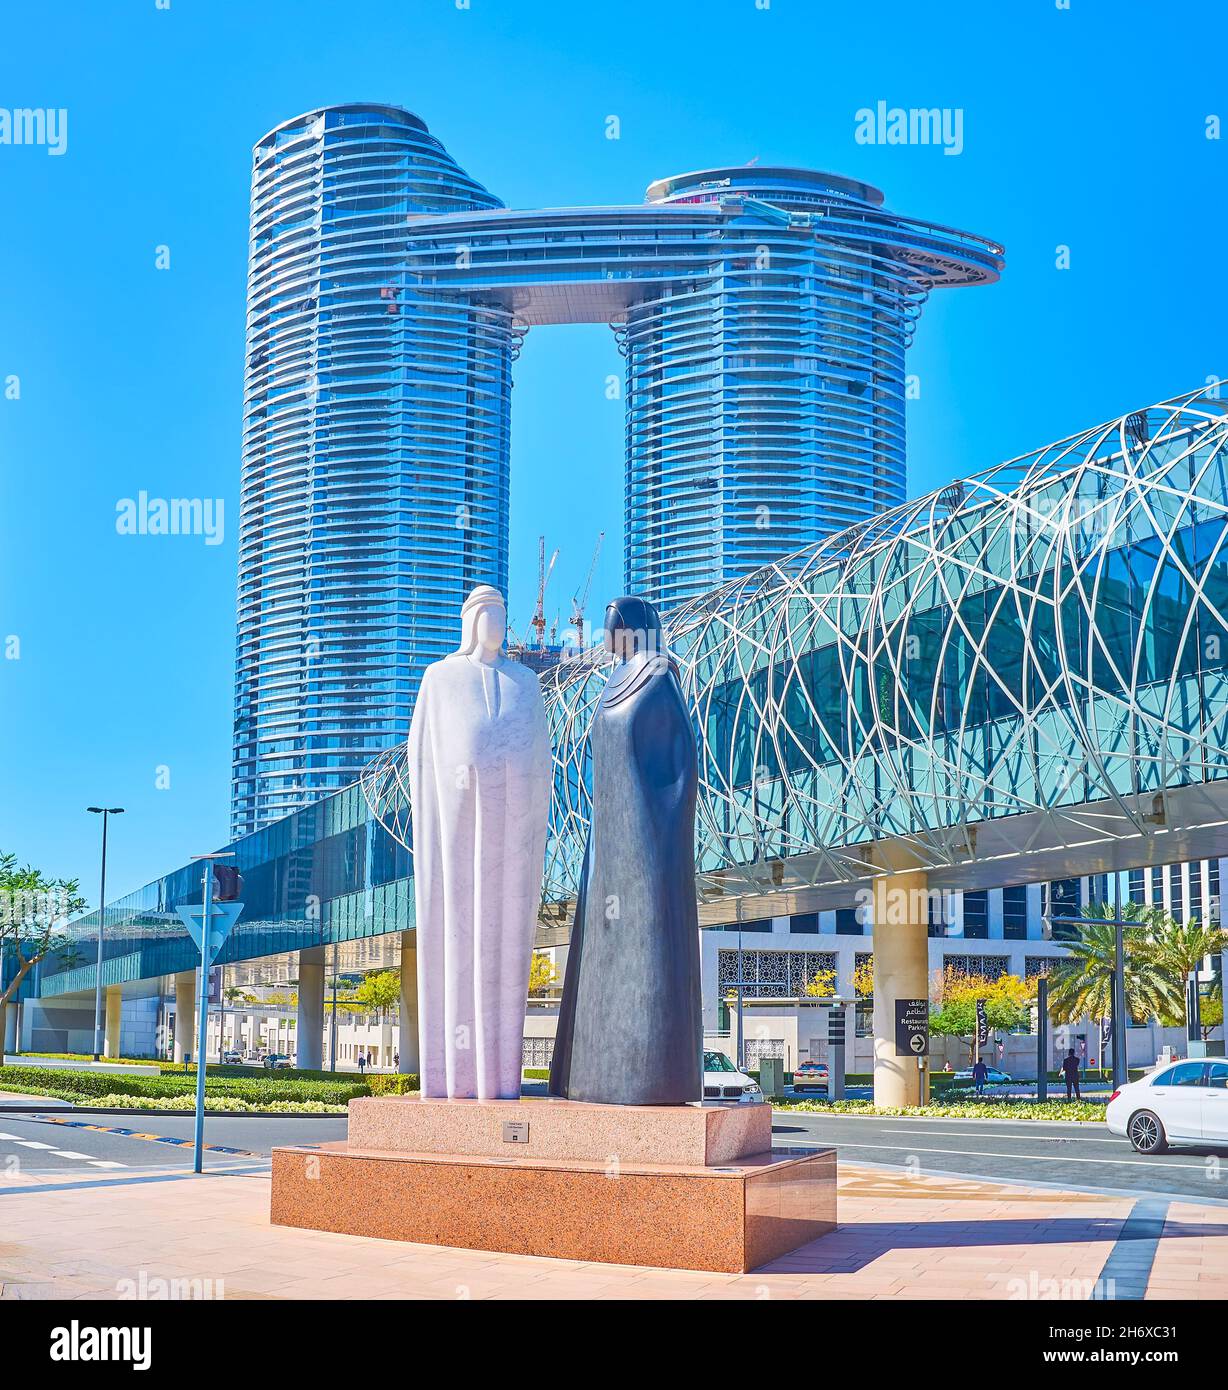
[723, 1081]
[1186, 1103]
[995, 1077]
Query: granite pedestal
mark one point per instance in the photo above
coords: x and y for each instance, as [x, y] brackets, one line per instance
[680, 1187]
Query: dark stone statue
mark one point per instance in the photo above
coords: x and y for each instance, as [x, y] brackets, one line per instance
[630, 1024]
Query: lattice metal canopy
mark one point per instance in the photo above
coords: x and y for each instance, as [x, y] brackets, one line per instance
[1031, 659]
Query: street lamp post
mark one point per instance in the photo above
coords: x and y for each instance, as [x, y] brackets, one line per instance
[104, 812]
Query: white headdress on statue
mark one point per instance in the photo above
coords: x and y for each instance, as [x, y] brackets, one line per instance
[483, 597]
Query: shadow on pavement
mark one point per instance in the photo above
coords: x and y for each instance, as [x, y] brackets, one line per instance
[853, 1247]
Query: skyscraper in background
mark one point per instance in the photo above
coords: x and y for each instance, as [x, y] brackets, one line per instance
[763, 314]
[766, 384]
[375, 452]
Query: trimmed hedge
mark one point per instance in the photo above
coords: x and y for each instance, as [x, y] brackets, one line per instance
[257, 1091]
[392, 1084]
[372, 1083]
[969, 1109]
[223, 1104]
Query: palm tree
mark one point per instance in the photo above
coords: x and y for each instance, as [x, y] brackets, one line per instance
[1081, 986]
[1183, 947]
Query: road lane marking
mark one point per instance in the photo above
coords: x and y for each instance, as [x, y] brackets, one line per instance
[1023, 1158]
[53, 1152]
[1029, 1138]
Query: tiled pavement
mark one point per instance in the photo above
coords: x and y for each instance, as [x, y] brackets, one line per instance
[899, 1237]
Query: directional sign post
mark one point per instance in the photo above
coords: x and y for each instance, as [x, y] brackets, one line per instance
[912, 1028]
[209, 924]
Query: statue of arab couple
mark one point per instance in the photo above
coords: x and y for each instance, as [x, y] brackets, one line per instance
[479, 764]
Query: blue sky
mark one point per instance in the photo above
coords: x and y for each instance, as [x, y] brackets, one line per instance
[1083, 127]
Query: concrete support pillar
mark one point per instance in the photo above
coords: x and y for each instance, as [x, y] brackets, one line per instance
[408, 1043]
[310, 1031]
[901, 971]
[185, 1014]
[110, 1041]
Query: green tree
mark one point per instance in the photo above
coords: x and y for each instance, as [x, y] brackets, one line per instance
[1008, 1004]
[1081, 986]
[33, 910]
[1211, 1014]
[543, 976]
[821, 985]
[1182, 948]
[378, 992]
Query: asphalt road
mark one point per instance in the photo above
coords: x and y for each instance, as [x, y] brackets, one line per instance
[1061, 1154]
[91, 1145]
[1078, 1156]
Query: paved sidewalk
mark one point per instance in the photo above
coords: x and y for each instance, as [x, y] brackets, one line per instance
[900, 1237]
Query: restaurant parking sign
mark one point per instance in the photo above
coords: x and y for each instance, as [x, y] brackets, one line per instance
[912, 1027]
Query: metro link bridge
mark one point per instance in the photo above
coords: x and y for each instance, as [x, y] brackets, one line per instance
[1020, 677]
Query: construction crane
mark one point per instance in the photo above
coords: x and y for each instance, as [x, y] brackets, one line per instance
[538, 623]
[579, 600]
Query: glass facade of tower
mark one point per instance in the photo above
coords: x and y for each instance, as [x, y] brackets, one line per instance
[763, 314]
[375, 466]
[765, 399]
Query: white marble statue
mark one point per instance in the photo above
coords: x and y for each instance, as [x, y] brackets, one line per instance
[479, 780]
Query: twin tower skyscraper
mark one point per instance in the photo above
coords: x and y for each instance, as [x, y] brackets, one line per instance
[762, 313]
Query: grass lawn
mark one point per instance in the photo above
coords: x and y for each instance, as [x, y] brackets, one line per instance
[226, 1088]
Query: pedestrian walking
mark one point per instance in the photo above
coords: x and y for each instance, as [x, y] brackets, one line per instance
[1070, 1070]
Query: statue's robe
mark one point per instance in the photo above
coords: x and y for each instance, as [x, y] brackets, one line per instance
[630, 1027]
[479, 775]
